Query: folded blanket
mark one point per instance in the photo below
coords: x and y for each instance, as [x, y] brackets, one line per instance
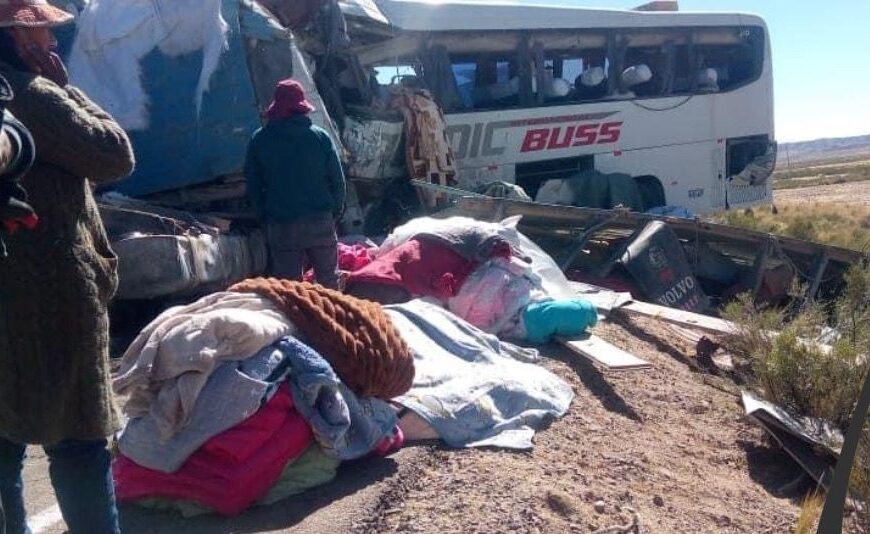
[169, 362]
[232, 470]
[312, 469]
[422, 267]
[233, 393]
[347, 427]
[355, 336]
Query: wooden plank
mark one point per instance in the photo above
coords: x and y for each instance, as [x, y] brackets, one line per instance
[712, 325]
[705, 323]
[604, 354]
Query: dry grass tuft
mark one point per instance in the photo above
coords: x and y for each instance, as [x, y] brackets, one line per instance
[829, 223]
[811, 509]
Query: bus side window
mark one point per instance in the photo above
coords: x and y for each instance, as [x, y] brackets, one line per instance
[735, 64]
[466, 78]
[735, 60]
[591, 83]
[655, 58]
[486, 82]
[574, 76]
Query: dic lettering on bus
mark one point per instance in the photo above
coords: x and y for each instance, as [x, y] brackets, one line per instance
[571, 136]
[491, 139]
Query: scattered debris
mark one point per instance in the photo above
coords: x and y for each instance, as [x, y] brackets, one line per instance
[633, 526]
[810, 442]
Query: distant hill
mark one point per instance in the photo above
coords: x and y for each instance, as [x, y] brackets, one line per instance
[842, 148]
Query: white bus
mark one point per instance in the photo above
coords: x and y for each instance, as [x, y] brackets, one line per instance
[682, 102]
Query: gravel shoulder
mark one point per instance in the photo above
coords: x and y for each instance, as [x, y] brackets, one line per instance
[851, 193]
[661, 442]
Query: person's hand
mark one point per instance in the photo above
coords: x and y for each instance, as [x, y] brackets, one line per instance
[46, 64]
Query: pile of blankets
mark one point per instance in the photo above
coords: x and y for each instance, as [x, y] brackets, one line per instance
[486, 273]
[257, 393]
[227, 392]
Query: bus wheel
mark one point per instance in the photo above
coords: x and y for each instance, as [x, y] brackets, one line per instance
[651, 191]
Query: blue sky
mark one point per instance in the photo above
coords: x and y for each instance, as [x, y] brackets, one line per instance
[821, 60]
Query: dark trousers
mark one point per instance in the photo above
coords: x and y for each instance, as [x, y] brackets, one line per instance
[312, 238]
[81, 474]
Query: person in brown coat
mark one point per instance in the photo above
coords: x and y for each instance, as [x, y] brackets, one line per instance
[56, 283]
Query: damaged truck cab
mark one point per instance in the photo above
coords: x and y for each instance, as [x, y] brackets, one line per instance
[662, 109]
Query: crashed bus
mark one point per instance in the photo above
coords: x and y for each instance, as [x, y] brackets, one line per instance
[680, 102]
[431, 102]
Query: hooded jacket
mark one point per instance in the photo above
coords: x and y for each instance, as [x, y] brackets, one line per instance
[292, 171]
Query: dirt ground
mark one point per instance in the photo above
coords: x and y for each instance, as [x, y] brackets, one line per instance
[661, 441]
[849, 193]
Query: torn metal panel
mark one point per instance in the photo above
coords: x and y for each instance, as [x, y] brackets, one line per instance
[294, 14]
[735, 240]
[810, 442]
[375, 147]
[151, 266]
[364, 9]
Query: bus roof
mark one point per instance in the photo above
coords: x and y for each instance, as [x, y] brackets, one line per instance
[422, 15]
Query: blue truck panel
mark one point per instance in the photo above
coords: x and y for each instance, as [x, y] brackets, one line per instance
[180, 148]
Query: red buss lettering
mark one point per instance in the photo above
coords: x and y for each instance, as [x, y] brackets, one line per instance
[565, 142]
[581, 135]
[586, 134]
[610, 132]
[536, 140]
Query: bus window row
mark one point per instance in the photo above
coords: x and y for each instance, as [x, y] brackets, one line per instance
[541, 71]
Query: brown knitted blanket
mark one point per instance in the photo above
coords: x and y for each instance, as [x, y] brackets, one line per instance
[355, 336]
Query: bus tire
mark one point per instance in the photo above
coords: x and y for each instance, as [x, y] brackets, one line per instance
[651, 191]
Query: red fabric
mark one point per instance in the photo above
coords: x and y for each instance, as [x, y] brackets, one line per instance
[230, 471]
[423, 267]
[289, 100]
[390, 444]
[350, 258]
[12, 225]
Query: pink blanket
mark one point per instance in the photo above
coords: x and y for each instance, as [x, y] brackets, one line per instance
[233, 469]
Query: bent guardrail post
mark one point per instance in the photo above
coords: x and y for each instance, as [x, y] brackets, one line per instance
[831, 520]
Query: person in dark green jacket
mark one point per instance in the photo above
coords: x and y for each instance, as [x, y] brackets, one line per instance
[296, 186]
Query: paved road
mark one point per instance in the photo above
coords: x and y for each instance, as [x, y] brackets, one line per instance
[340, 506]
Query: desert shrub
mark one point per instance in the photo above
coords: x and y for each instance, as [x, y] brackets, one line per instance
[791, 370]
[798, 374]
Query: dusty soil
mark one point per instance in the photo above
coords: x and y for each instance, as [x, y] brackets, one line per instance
[849, 193]
[662, 442]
